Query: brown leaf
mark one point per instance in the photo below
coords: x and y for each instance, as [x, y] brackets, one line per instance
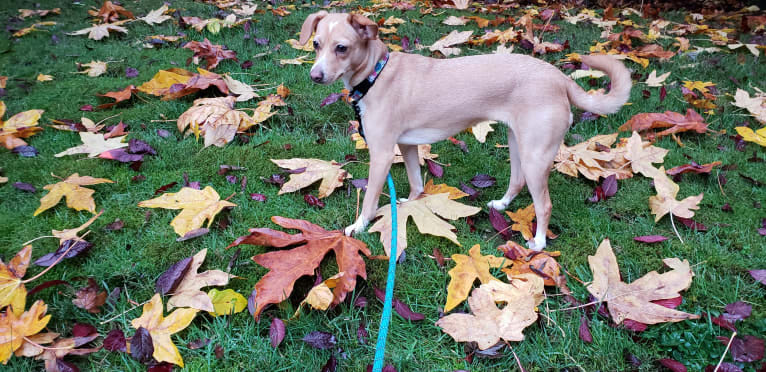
[330, 172]
[188, 294]
[111, 12]
[90, 298]
[527, 261]
[118, 96]
[674, 121]
[212, 53]
[286, 266]
[634, 301]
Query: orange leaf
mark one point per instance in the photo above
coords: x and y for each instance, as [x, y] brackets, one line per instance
[286, 266]
[12, 290]
[119, 96]
[527, 261]
[14, 327]
[674, 121]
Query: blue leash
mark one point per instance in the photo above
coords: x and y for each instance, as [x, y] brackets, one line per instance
[385, 318]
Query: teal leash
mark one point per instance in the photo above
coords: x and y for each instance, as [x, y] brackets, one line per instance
[385, 318]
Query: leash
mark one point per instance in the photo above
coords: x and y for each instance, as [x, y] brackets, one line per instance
[358, 92]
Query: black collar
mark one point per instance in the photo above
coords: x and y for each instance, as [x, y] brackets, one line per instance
[360, 90]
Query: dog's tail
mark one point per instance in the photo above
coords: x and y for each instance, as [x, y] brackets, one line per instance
[603, 103]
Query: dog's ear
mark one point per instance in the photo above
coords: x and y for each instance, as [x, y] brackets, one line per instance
[366, 28]
[310, 25]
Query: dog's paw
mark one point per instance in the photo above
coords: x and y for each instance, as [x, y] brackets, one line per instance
[536, 246]
[498, 205]
[356, 227]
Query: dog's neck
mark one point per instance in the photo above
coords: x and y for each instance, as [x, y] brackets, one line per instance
[377, 50]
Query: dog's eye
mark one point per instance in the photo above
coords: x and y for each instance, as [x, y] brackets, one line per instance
[316, 45]
[341, 48]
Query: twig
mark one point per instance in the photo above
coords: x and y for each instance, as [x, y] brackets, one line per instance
[718, 178]
[108, 117]
[674, 228]
[123, 313]
[35, 344]
[725, 351]
[39, 237]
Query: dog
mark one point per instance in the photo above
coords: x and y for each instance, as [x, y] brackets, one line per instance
[420, 100]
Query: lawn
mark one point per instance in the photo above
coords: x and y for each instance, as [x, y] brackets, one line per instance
[133, 257]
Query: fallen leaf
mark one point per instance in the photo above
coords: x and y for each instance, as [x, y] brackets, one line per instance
[522, 219]
[243, 91]
[693, 168]
[634, 301]
[400, 307]
[320, 340]
[161, 328]
[111, 12]
[118, 96]
[642, 154]
[665, 201]
[115, 341]
[217, 120]
[196, 205]
[656, 81]
[444, 45]
[94, 68]
[286, 266]
[90, 298]
[14, 327]
[12, 290]
[674, 121]
[226, 302]
[276, 332]
[68, 249]
[320, 297]
[488, 324]
[94, 144]
[77, 197]
[755, 105]
[527, 261]
[21, 125]
[163, 80]
[98, 32]
[673, 365]
[467, 269]
[758, 137]
[43, 77]
[212, 53]
[453, 192]
[650, 239]
[330, 173]
[424, 211]
[156, 16]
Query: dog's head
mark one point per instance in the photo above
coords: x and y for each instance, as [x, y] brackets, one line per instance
[340, 41]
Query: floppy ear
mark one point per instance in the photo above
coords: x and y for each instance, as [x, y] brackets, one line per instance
[366, 28]
[310, 25]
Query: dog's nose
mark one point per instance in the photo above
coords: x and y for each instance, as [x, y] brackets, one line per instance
[317, 76]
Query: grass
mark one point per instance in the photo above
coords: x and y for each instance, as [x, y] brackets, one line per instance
[132, 258]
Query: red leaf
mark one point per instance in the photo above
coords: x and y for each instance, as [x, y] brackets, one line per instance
[436, 170]
[483, 181]
[673, 365]
[500, 224]
[115, 341]
[584, 330]
[313, 201]
[320, 340]
[276, 332]
[650, 239]
[400, 307]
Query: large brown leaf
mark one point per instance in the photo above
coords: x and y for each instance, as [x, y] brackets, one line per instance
[212, 53]
[313, 170]
[634, 301]
[286, 266]
[674, 121]
[111, 12]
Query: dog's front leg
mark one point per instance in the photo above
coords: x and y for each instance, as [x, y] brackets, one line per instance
[381, 157]
[412, 163]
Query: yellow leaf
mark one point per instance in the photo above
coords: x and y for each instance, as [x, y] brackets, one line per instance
[14, 327]
[226, 302]
[424, 211]
[320, 297]
[454, 192]
[196, 205]
[12, 290]
[94, 68]
[698, 85]
[758, 136]
[161, 328]
[308, 47]
[330, 173]
[665, 201]
[163, 80]
[295, 61]
[41, 77]
[522, 219]
[481, 130]
[77, 197]
[217, 119]
[467, 269]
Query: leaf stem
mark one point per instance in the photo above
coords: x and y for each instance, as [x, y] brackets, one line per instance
[123, 313]
[51, 266]
[725, 351]
[35, 344]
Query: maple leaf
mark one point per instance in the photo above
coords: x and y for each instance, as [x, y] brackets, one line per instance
[28, 350]
[226, 302]
[656, 81]
[453, 192]
[488, 324]
[590, 159]
[758, 136]
[674, 121]
[633, 301]
[196, 205]
[243, 91]
[161, 328]
[320, 297]
[21, 125]
[90, 298]
[34, 27]
[213, 54]
[77, 197]
[188, 294]
[444, 45]
[424, 211]
[118, 96]
[755, 105]
[665, 201]
[94, 144]
[197, 82]
[642, 154]
[286, 266]
[71, 234]
[424, 151]
[14, 328]
[12, 290]
[156, 16]
[163, 80]
[111, 12]
[522, 219]
[481, 130]
[43, 77]
[313, 170]
[467, 269]
[98, 32]
[216, 119]
[527, 261]
[94, 68]
[25, 13]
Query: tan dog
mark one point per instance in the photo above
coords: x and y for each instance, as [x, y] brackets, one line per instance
[419, 100]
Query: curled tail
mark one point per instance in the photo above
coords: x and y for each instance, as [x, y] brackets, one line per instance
[603, 103]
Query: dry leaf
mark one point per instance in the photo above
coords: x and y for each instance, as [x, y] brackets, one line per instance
[243, 91]
[212, 53]
[188, 294]
[94, 68]
[161, 328]
[98, 32]
[14, 328]
[755, 105]
[453, 192]
[527, 261]
[320, 297]
[196, 205]
[758, 136]
[481, 130]
[286, 266]
[634, 301]
[21, 125]
[216, 119]
[163, 80]
[111, 12]
[329, 172]
[665, 201]
[94, 144]
[642, 154]
[488, 324]
[674, 121]
[656, 81]
[156, 16]
[444, 44]
[118, 96]
[467, 269]
[424, 211]
[522, 222]
[42, 77]
[12, 290]
[77, 197]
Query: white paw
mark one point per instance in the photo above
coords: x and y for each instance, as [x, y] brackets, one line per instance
[403, 200]
[537, 245]
[356, 227]
[498, 205]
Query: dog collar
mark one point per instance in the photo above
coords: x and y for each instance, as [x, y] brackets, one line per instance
[360, 90]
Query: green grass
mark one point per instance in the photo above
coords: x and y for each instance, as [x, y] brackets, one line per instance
[132, 258]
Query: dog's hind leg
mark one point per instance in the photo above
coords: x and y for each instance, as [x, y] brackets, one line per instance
[516, 182]
[412, 163]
